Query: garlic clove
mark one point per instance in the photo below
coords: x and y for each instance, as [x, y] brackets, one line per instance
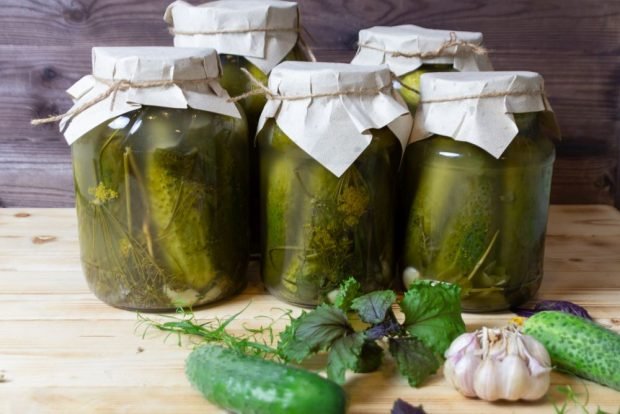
[463, 343]
[514, 378]
[537, 387]
[464, 371]
[536, 354]
[486, 381]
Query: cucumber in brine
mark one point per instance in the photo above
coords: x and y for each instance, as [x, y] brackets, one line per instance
[175, 201]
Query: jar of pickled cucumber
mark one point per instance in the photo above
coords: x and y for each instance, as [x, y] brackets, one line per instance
[330, 142]
[252, 36]
[476, 182]
[411, 51]
[161, 179]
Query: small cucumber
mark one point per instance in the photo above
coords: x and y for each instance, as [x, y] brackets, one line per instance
[251, 385]
[578, 346]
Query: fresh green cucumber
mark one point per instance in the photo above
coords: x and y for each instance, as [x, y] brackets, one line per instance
[249, 384]
[578, 346]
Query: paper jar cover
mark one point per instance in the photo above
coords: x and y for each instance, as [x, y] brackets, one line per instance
[262, 31]
[334, 128]
[410, 39]
[143, 64]
[477, 107]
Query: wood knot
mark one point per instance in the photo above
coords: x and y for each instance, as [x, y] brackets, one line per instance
[44, 109]
[48, 74]
[75, 15]
[22, 215]
[43, 239]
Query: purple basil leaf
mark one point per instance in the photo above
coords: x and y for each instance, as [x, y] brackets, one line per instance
[403, 407]
[388, 327]
[555, 305]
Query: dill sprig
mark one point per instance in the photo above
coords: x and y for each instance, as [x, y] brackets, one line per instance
[259, 341]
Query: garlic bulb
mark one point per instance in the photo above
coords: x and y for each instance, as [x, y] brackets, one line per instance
[498, 364]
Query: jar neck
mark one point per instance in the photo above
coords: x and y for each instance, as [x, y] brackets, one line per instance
[528, 123]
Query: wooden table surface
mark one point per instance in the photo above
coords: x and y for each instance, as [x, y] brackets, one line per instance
[63, 351]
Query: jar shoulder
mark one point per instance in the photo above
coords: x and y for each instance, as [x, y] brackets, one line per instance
[528, 147]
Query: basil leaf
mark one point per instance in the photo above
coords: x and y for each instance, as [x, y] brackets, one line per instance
[373, 306]
[312, 332]
[557, 305]
[348, 290]
[344, 354]
[403, 407]
[370, 358]
[433, 313]
[415, 361]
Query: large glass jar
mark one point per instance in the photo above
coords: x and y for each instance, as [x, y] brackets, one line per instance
[319, 229]
[478, 221]
[162, 205]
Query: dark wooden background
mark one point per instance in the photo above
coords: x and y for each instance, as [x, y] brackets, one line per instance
[45, 47]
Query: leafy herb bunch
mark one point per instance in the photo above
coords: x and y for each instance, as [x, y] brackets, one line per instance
[432, 321]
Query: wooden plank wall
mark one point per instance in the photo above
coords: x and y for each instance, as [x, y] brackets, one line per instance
[45, 46]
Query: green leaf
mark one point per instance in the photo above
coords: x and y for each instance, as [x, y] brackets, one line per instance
[433, 313]
[344, 354]
[289, 348]
[312, 332]
[373, 306]
[370, 358]
[415, 360]
[348, 290]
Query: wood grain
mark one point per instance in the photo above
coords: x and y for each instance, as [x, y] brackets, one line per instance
[63, 351]
[575, 44]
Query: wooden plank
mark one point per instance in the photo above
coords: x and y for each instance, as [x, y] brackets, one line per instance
[63, 351]
[44, 47]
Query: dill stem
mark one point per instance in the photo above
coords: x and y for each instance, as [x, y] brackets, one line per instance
[126, 167]
[140, 180]
[484, 256]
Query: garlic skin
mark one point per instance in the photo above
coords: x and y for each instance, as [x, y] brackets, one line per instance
[498, 364]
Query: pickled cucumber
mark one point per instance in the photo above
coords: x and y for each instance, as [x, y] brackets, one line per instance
[409, 87]
[175, 198]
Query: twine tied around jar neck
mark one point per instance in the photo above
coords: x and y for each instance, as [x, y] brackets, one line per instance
[441, 51]
[497, 94]
[113, 88]
[261, 89]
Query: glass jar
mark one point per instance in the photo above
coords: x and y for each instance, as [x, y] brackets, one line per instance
[478, 221]
[319, 229]
[161, 199]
